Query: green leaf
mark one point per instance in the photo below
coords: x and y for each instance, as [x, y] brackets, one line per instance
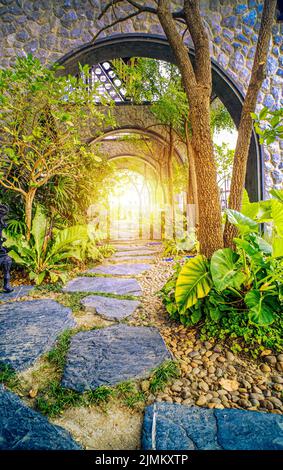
[277, 194]
[225, 273]
[193, 283]
[196, 316]
[261, 307]
[244, 224]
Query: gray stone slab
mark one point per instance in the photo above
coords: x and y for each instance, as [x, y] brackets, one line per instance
[18, 292]
[22, 428]
[134, 253]
[104, 284]
[178, 427]
[109, 308]
[29, 328]
[131, 258]
[120, 269]
[111, 355]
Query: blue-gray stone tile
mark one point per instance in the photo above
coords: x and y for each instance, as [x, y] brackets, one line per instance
[22, 428]
[178, 427]
[104, 284]
[120, 269]
[111, 355]
[29, 328]
[109, 308]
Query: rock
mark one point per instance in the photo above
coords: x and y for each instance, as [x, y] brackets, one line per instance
[256, 396]
[222, 392]
[244, 403]
[214, 356]
[267, 405]
[180, 427]
[120, 269]
[29, 328]
[110, 308]
[188, 401]
[221, 359]
[203, 386]
[270, 360]
[280, 358]
[279, 366]
[22, 428]
[111, 355]
[229, 356]
[265, 368]
[145, 384]
[229, 385]
[104, 284]
[201, 401]
[276, 402]
[211, 370]
[176, 388]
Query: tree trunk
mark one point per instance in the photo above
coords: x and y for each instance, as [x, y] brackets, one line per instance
[192, 177]
[246, 123]
[198, 86]
[170, 182]
[28, 211]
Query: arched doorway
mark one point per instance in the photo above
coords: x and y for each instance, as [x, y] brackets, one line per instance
[157, 47]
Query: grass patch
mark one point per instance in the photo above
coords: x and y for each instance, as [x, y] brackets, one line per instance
[8, 377]
[163, 375]
[57, 355]
[55, 287]
[129, 394]
[100, 395]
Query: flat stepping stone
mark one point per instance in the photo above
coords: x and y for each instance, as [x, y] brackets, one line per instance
[109, 308]
[130, 247]
[131, 258]
[178, 427]
[104, 284]
[22, 428]
[120, 269]
[29, 328]
[18, 292]
[111, 355]
[134, 253]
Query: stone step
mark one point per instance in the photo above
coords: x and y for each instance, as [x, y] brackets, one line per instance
[169, 426]
[22, 428]
[135, 253]
[120, 269]
[29, 328]
[18, 293]
[109, 308]
[112, 355]
[107, 285]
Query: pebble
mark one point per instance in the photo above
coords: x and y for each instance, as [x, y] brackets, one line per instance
[176, 388]
[276, 402]
[203, 386]
[221, 359]
[266, 404]
[145, 384]
[270, 360]
[211, 370]
[244, 403]
[276, 379]
[201, 401]
[265, 368]
[230, 356]
[188, 401]
[280, 358]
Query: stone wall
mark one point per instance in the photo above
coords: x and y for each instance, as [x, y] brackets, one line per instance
[50, 29]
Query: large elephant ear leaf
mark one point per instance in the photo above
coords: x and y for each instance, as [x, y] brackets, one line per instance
[277, 194]
[261, 307]
[193, 283]
[244, 224]
[225, 273]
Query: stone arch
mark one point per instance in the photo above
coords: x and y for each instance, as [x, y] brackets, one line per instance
[157, 47]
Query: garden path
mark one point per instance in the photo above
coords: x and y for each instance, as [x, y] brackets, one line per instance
[128, 348]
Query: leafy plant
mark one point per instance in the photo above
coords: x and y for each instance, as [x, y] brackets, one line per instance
[46, 254]
[179, 246]
[269, 125]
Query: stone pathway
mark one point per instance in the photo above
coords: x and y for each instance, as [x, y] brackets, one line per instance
[179, 427]
[21, 428]
[30, 328]
[111, 355]
[104, 285]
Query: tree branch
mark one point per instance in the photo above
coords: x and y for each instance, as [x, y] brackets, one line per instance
[201, 42]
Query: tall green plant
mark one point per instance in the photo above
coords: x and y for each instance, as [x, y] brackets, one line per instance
[47, 255]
